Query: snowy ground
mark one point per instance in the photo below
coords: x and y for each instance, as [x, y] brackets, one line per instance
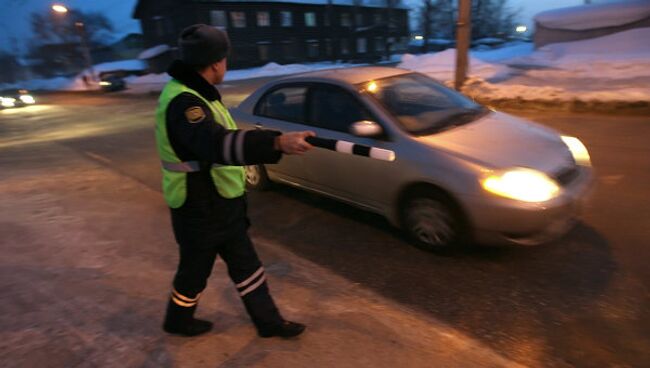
[607, 69]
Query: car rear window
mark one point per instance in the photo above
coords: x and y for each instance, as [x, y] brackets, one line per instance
[286, 103]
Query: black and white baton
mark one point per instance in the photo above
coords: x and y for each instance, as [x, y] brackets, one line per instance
[352, 148]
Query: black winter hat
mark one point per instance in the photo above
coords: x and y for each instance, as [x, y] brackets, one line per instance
[201, 44]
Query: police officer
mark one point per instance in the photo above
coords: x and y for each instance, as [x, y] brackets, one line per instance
[202, 154]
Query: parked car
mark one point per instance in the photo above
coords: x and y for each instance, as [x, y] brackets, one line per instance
[461, 172]
[112, 82]
[16, 98]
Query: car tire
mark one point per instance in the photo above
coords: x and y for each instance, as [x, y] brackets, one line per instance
[433, 222]
[256, 177]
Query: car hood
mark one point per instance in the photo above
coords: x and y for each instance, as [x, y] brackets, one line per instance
[500, 141]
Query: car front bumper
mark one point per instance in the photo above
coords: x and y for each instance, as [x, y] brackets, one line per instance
[497, 220]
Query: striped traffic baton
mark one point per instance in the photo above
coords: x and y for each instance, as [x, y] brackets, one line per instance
[352, 148]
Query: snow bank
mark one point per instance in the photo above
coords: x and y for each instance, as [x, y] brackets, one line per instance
[583, 17]
[153, 52]
[617, 56]
[611, 68]
[442, 65]
[272, 69]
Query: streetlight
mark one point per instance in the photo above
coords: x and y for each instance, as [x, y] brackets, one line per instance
[61, 9]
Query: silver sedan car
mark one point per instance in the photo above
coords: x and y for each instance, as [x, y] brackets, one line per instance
[460, 172]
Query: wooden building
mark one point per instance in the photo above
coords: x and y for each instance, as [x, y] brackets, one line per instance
[284, 31]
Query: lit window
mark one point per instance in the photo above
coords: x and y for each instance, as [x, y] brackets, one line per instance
[310, 19]
[285, 19]
[263, 19]
[238, 19]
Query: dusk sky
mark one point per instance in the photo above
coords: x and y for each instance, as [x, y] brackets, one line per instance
[14, 19]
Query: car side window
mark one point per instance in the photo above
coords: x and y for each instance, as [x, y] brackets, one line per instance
[335, 109]
[287, 103]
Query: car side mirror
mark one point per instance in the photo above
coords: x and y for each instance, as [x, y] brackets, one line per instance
[366, 128]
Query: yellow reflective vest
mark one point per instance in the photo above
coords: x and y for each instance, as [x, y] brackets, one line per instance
[230, 181]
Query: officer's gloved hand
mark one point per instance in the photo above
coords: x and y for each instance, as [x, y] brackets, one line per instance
[293, 143]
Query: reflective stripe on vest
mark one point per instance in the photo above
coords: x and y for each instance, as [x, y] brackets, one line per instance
[229, 180]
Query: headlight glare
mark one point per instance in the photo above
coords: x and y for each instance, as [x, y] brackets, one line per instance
[28, 99]
[8, 101]
[522, 184]
[578, 150]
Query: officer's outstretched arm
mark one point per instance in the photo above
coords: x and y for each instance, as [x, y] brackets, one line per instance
[195, 135]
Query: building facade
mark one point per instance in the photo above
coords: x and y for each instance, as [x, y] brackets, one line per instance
[284, 31]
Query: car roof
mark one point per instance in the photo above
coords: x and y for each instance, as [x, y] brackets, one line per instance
[352, 76]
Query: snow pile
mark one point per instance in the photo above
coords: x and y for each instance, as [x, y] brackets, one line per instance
[153, 52]
[615, 67]
[442, 65]
[620, 55]
[583, 17]
[130, 65]
[272, 69]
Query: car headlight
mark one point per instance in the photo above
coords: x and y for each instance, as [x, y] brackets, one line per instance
[578, 150]
[8, 101]
[28, 99]
[105, 83]
[522, 184]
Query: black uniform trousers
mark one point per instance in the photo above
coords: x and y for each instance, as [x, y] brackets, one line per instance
[205, 229]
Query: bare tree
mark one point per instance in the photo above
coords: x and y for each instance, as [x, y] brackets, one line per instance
[58, 42]
[490, 18]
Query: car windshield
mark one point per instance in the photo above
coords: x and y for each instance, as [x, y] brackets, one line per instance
[421, 105]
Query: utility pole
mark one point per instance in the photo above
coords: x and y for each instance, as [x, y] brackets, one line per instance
[85, 49]
[463, 33]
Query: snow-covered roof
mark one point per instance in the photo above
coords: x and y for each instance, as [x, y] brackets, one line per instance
[153, 52]
[369, 3]
[583, 17]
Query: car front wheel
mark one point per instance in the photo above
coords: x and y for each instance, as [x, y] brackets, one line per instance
[432, 222]
[256, 177]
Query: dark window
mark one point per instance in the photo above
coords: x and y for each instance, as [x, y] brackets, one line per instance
[335, 109]
[263, 50]
[312, 48]
[283, 104]
[218, 18]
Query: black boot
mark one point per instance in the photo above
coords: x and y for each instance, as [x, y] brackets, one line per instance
[286, 329]
[180, 321]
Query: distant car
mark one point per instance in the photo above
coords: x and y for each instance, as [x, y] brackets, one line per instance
[16, 98]
[461, 172]
[112, 83]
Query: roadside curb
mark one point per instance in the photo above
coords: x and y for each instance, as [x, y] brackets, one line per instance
[575, 106]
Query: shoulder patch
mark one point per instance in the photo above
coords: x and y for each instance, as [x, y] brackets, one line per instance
[194, 114]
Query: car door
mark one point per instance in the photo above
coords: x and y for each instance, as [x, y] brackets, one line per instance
[283, 108]
[331, 110]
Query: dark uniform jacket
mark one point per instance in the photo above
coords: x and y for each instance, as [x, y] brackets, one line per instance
[199, 138]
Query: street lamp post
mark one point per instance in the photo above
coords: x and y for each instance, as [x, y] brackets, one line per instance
[61, 9]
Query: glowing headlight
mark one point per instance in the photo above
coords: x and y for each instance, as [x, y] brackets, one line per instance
[521, 184]
[105, 83]
[28, 99]
[578, 150]
[8, 102]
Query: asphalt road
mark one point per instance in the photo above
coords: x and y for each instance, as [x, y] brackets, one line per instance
[581, 301]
